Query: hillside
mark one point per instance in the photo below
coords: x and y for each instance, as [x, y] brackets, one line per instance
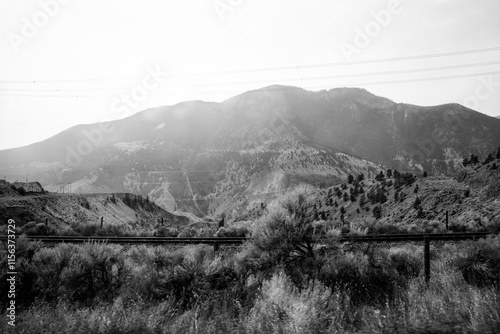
[472, 201]
[208, 158]
[71, 214]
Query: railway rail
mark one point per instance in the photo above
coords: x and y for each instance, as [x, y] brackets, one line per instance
[218, 241]
[240, 240]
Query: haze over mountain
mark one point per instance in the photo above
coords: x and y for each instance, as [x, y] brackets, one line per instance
[209, 158]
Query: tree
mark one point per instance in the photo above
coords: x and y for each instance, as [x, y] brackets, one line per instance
[417, 203]
[465, 162]
[420, 212]
[415, 190]
[488, 159]
[498, 153]
[425, 174]
[380, 176]
[377, 212]
[360, 177]
[346, 197]
[342, 213]
[474, 159]
[350, 179]
[389, 173]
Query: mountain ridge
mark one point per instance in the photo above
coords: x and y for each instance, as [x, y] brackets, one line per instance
[188, 155]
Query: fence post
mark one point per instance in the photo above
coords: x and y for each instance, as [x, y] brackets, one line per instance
[446, 220]
[427, 259]
[216, 247]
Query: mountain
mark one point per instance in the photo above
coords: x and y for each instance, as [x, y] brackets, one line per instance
[208, 158]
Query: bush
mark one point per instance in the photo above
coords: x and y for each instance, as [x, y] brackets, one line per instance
[49, 266]
[288, 236]
[166, 232]
[68, 272]
[480, 265]
[368, 276]
[232, 231]
[25, 250]
[97, 271]
[282, 308]
[94, 229]
[34, 228]
[406, 263]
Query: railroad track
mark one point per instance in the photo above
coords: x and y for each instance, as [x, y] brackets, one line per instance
[216, 242]
[240, 240]
[132, 240]
[415, 237]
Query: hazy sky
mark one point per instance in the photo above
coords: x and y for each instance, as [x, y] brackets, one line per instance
[69, 62]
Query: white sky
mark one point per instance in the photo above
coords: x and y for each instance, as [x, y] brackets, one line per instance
[42, 75]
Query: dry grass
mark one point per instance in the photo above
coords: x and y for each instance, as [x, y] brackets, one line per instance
[252, 303]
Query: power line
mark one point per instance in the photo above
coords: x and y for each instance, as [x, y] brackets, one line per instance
[34, 81]
[275, 68]
[274, 89]
[359, 62]
[338, 76]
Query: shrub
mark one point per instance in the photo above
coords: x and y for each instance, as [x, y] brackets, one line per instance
[480, 265]
[406, 263]
[50, 265]
[287, 236]
[187, 232]
[377, 212]
[94, 229]
[282, 308]
[96, 271]
[232, 231]
[34, 228]
[166, 232]
[367, 276]
[25, 280]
